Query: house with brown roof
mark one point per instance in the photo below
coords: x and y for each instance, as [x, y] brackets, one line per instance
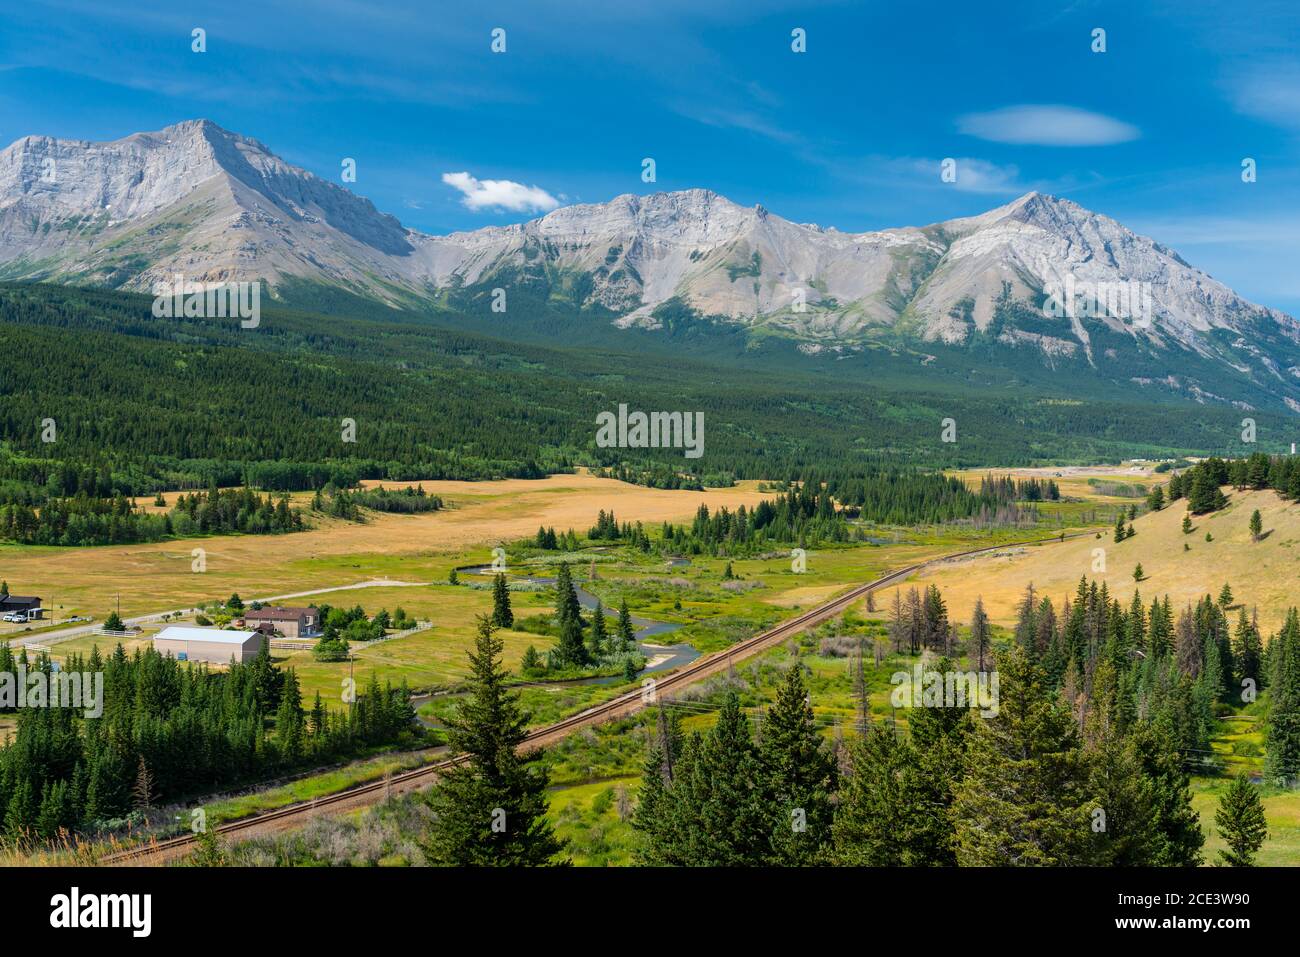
[289, 622]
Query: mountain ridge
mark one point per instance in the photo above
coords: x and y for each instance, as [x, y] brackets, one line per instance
[212, 204]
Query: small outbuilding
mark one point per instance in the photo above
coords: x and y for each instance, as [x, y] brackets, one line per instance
[208, 644]
[29, 605]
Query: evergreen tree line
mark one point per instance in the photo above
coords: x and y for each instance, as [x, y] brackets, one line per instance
[347, 503]
[1201, 484]
[1027, 786]
[172, 730]
[86, 520]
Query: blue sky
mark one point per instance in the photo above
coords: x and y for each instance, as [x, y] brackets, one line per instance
[850, 133]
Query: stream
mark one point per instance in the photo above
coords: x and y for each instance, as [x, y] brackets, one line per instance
[647, 630]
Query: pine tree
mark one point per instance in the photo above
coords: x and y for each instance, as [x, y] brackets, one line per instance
[1256, 525]
[566, 597]
[1177, 826]
[719, 806]
[490, 810]
[1247, 651]
[571, 651]
[801, 775]
[319, 721]
[938, 741]
[1204, 495]
[979, 636]
[1225, 596]
[1282, 741]
[1241, 823]
[142, 792]
[598, 640]
[288, 719]
[876, 803]
[660, 842]
[21, 811]
[1022, 798]
[1124, 832]
[502, 615]
[1027, 624]
[453, 578]
[1187, 524]
[626, 630]
[1138, 574]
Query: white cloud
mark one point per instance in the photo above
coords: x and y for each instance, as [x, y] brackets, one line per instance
[1269, 92]
[500, 194]
[1047, 126]
[977, 175]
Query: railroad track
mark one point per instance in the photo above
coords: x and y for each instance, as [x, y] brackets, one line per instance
[295, 815]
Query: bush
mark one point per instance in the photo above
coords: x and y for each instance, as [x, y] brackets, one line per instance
[330, 649]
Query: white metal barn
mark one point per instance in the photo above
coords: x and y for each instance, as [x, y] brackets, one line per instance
[208, 644]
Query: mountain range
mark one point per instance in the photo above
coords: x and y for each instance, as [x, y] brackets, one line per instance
[198, 200]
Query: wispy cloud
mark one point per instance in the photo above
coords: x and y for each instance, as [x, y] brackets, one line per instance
[1268, 92]
[500, 194]
[1030, 125]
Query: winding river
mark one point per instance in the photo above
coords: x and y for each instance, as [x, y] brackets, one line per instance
[662, 656]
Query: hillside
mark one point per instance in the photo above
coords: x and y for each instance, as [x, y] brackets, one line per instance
[174, 402]
[1262, 574]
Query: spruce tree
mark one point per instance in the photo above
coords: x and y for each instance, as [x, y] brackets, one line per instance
[571, 651]
[289, 720]
[1022, 799]
[1241, 823]
[937, 738]
[1124, 830]
[1282, 741]
[801, 775]
[979, 636]
[502, 615]
[626, 631]
[490, 810]
[654, 817]
[876, 803]
[598, 640]
[1177, 826]
[1247, 651]
[720, 804]
[566, 597]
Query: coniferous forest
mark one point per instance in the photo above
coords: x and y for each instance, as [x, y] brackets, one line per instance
[171, 730]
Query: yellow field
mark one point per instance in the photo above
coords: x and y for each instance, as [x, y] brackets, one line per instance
[1261, 573]
[156, 577]
[1073, 479]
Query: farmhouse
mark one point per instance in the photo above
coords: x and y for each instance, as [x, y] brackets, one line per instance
[290, 622]
[208, 644]
[30, 605]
